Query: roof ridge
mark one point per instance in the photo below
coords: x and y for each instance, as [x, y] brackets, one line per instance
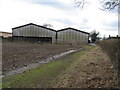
[35, 25]
[73, 29]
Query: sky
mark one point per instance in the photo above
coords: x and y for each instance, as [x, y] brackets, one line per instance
[60, 14]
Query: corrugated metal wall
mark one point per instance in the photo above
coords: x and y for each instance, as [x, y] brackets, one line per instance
[34, 31]
[65, 36]
[72, 37]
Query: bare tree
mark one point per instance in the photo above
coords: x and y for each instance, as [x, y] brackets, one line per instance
[106, 4]
[47, 25]
[104, 37]
[94, 36]
[110, 4]
[80, 3]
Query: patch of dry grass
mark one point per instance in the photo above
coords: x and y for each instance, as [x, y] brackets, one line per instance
[112, 48]
[90, 70]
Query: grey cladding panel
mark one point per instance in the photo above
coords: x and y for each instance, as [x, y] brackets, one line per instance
[69, 35]
[72, 36]
[32, 30]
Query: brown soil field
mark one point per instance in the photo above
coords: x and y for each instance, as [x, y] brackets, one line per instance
[87, 69]
[16, 54]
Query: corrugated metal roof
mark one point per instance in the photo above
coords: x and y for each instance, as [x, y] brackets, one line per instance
[5, 32]
[50, 28]
[72, 29]
[34, 25]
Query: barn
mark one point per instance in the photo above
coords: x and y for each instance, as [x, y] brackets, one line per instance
[33, 32]
[72, 36]
[37, 33]
[5, 34]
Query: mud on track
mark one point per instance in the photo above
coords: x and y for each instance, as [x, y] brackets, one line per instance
[16, 55]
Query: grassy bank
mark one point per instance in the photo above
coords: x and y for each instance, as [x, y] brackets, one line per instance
[45, 74]
[112, 48]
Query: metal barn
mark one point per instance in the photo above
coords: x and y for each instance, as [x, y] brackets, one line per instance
[37, 33]
[72, 36]
[33, 32]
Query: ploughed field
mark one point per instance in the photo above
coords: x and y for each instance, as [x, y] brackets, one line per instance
[16, 54]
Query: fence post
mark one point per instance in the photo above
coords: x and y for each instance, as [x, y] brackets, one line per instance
[117, 36]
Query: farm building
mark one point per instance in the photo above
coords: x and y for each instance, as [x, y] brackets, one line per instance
[5, 34]
[72, 36]
[33, 32]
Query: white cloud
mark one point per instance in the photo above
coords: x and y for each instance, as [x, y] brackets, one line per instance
[19, 12]
[16, 13]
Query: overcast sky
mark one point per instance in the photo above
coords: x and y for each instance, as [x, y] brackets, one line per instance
[59, 13]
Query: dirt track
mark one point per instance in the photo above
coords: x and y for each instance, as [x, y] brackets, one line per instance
[16, 55]
[92, 70]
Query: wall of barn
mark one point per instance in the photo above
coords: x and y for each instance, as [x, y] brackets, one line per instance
[71, 37]
[34, 31]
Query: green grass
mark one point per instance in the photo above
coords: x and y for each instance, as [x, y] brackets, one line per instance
[32, 77]
[89, 47]
[42, 75]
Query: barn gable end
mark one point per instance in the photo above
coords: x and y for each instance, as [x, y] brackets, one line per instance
[72, 36]
[39, 33]
[33, 32]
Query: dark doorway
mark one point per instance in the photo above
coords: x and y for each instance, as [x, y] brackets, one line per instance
[45, 39]
[33, 39]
